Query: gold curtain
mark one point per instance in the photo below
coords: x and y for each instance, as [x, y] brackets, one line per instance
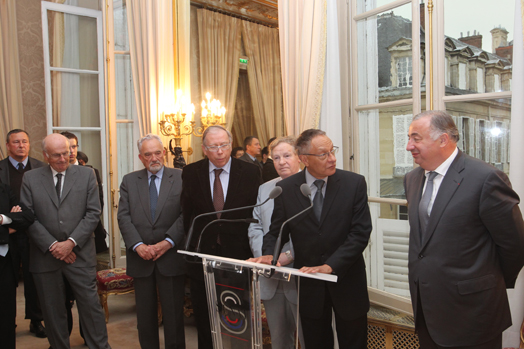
[219, 44]
[244, 125]
[265, 84]
[11, 108]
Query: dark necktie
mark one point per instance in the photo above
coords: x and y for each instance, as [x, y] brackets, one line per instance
[58, 185]
[153, 196]
[20, 166]
[423, 213]
[218, 192]
[319, 198]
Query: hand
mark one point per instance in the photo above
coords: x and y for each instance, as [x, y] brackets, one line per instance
[71, 258]
[160, 248]
[323, 269]
[283, 259]
[11, 230]
[263, 260]
[16, 209]
[144, 251]
[61, 250]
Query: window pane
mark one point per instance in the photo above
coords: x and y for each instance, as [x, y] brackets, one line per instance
[368, 5]
[120, 24]
[387, 150]
[125, 95]
[479, 46]
[385, 57]
[72, 41]
[75, 100]
[125, 144]
[484, 129]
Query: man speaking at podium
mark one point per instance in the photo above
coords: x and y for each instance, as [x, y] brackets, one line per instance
[330, 239]
[216, 183]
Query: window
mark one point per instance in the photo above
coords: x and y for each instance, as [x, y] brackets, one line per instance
[404, 72]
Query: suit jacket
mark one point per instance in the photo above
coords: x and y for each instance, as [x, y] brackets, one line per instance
[244, 180]
[136, 225]
[256, 234]
[20, 220]
[75, 215]
[4, 168]
[268, 171]
[471, 251]
[337, 240]
[245, 157]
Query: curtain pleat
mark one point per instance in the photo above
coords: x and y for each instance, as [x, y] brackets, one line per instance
[265, 84]
[303, 35]
[219, 44]
[11, 107]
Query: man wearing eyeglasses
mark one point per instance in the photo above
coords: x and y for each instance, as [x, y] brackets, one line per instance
[330, 239]
[64, 200]
[216, 183]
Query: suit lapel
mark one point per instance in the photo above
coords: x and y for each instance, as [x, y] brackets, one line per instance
[235, 176]
[333, 185]
[417, 185]
[69, 181]
[142, 186]
[165, 190]
[203, 179]
[303, 201]
[49, 185]
[447, 189]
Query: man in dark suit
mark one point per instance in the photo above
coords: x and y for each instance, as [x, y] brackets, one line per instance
[330, 239]
[466, 240]
[216, 183]
[64, 200]
[251, 150]
[13, 217]
[151, 223]
[12, 170]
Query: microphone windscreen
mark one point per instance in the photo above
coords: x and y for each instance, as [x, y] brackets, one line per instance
[305, 189]
[275, 192]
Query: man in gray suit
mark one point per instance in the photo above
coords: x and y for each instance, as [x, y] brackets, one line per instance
[64, 200]
[280, 298]
[12, 170]
[466, 240]
[151, 223]
[252, 149]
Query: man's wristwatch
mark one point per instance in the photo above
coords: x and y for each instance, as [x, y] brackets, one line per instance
[288, 255]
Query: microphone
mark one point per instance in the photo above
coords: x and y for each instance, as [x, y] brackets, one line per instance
[306, 191]
[272, 195]
[241, 220]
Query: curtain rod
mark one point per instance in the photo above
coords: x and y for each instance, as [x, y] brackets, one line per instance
[230, 14]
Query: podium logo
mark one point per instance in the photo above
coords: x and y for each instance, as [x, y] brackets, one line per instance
[232, 313]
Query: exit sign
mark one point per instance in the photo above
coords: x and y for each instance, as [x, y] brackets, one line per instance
[243, 60]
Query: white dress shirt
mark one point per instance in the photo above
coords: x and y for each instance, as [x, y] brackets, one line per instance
[437, 181]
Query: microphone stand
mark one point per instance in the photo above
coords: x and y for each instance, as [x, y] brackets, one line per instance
[242, 220]
[306, 191]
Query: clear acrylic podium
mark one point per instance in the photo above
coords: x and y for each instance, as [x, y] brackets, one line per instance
[233, 296]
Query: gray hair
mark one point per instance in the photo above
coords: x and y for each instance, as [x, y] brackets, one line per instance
[304, 140]
[291, 140]
[215, 129]
[440, 122]
[148, 137]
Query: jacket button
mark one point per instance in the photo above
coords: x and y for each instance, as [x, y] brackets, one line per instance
[420, 256]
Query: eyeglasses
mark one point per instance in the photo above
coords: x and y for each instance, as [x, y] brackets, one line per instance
[58, 156]
[325, 155]
[215, 148]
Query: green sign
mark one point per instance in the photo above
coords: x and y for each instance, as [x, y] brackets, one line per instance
[243, 60]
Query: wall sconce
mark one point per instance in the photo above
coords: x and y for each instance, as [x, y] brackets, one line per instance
[172, 125]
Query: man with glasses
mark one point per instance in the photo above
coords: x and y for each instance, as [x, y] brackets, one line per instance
[330, 238]
[216, 183]
[12, 170]
[151, 223]
[64, 200]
